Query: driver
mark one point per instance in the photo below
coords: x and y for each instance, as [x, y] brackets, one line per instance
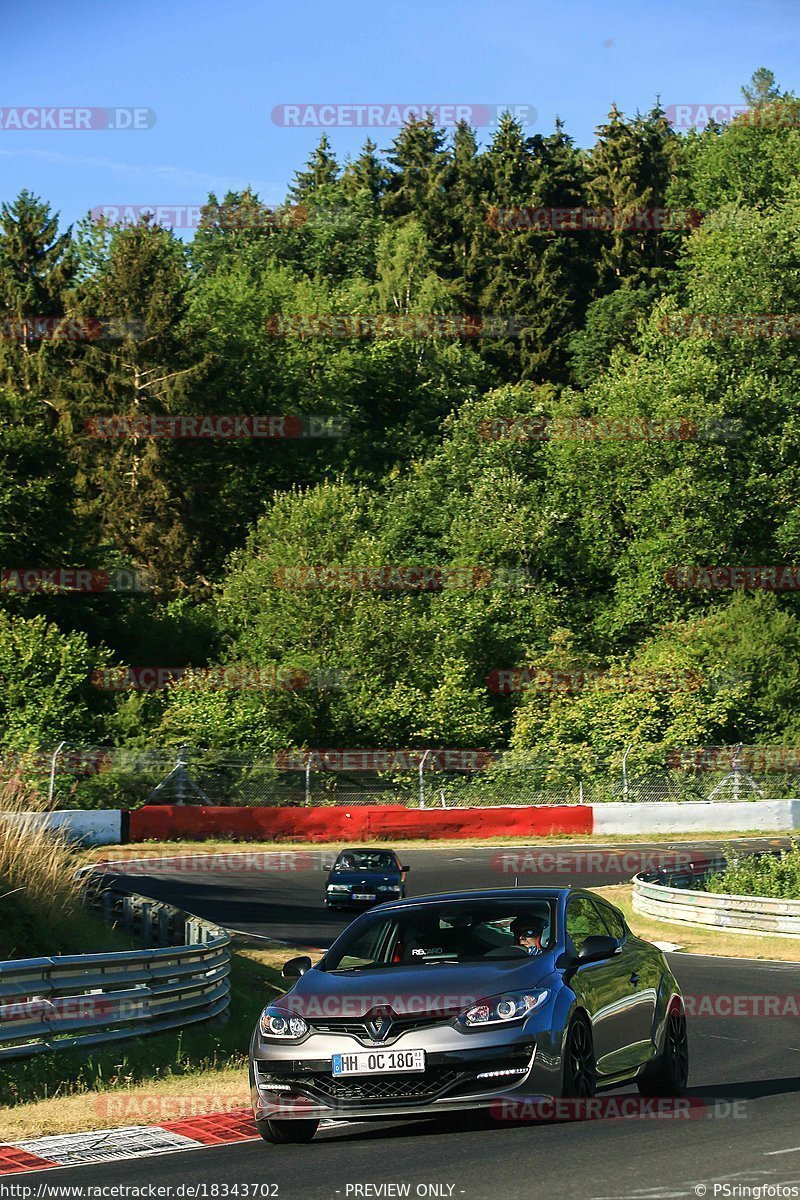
[527, 933]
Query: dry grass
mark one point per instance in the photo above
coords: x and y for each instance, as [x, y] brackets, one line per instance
[41, 910]
[36, 864]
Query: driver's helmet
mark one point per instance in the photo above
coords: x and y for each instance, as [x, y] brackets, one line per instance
[527, 926]
[347, 863]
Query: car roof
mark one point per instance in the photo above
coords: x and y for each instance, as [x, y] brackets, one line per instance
[366, 850]
[534, 893]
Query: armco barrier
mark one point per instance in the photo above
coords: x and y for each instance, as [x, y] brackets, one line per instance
[738, 914]
[76, 1000]
[335, 824]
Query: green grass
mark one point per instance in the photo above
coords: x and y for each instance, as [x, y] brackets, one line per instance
[23, 933]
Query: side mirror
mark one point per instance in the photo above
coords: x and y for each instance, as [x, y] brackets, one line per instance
[598, 947]
[296, 967]
[406, 868]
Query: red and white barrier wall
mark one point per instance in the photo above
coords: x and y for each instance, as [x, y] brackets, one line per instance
[364, 822]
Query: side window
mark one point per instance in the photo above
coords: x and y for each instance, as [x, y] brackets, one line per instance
[614, 921]
[583, 921]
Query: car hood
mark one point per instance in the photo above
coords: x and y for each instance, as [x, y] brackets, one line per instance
[412, 991]
[371, 877]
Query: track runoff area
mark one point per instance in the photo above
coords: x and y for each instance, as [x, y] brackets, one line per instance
[737, 1134]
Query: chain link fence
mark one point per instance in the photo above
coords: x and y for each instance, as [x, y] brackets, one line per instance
[73, 777]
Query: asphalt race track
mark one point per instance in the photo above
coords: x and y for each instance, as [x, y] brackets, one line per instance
[743, 1131]
[279, 895]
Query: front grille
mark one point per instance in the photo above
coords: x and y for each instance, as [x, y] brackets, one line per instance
[400, 1025]
[449, 1078]
[381, 1089]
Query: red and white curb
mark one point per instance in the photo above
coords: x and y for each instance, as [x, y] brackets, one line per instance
[131, 1141]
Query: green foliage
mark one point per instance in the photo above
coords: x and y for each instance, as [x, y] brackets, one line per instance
[543, 459]
[46, 687]
[777, 876]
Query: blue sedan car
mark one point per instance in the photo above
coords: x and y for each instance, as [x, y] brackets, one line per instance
[362, 877]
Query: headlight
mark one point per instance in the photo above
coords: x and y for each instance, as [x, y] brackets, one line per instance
[394, 888]
[338, 887]
[276, 1024]
[496, 1010]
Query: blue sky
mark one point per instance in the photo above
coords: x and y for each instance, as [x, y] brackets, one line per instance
[212, 71]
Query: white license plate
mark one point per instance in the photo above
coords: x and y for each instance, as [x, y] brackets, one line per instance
[378, 1062]
[364, 896]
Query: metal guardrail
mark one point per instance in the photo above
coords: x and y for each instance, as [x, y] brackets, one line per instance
[674, 896]
[79, 1000]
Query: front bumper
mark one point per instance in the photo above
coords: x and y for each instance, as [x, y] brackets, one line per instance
[462, 1075]
[347, 900]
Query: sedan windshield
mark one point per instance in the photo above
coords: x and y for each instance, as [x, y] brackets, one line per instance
[456, 933]
[365, 861]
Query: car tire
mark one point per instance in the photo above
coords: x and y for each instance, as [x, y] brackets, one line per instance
[278, 1133]
[579, 1078]
[668, 1073]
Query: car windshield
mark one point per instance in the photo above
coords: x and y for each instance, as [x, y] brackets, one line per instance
[365, 860]
[455, 933]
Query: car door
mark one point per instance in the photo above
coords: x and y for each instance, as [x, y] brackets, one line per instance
[643, 969]
[606, 990]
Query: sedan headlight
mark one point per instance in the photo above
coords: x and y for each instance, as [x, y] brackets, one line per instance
[276, 1024]
[338, 887]
[497, 1010]
[394, 888]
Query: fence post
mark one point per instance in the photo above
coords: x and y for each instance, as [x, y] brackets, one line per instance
[625, 772]
[52, 784]
[421, 780]
[164, 927]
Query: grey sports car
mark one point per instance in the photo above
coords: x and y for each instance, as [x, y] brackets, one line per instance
[468, 1000]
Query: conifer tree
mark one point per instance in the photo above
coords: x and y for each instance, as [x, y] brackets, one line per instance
[419, 158]
[35, 260]
[321, 171]
[367, 174]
